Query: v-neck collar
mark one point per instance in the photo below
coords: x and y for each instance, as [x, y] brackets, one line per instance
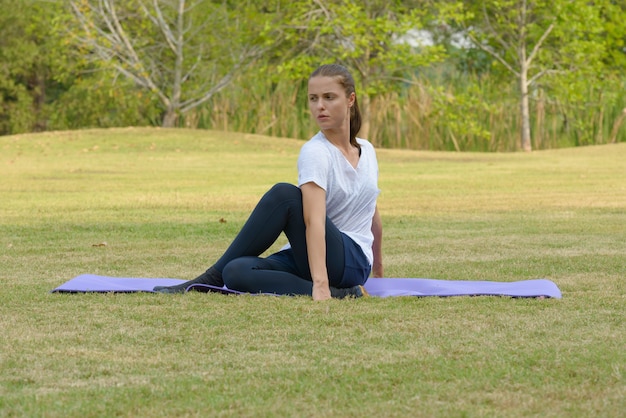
[358, 161]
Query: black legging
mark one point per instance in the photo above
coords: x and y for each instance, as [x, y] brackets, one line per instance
[280, 209]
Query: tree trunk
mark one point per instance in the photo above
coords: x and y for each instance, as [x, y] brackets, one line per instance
[524, 106]
[39, 90]
[523, 79]
[525, 114]
[171, 115]
[170, 118]
[616, 126]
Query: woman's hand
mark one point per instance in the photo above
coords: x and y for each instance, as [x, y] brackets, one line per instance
[377, 270]
[321, 291]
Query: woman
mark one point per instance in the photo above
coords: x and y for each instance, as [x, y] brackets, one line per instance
[331, 220]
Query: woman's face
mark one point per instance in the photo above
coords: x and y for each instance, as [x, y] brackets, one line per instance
[328, 103]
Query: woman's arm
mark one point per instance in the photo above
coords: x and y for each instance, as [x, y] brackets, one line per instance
[377, 246]
[314, 211]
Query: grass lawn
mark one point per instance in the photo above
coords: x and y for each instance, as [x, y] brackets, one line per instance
[165, 203]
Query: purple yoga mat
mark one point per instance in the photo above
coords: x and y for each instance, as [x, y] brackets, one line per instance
[375, 287]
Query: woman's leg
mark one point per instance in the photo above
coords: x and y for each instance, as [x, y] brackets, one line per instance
[276, 274]
[280, 209]
[264, 275]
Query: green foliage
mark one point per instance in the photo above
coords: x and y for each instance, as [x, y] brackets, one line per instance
[613, 14]
[471, 113]
[174, 50]
[581, 83]
[16, 109]
[24, 64]
[436, 96]
[107, 102]
[556, 46]
[376, 39]
[257, 104]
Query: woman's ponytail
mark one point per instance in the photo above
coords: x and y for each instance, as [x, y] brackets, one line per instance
[355, 122]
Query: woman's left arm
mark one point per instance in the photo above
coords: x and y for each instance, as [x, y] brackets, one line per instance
[377, 246]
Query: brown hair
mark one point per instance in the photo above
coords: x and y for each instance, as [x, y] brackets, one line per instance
[344, 78]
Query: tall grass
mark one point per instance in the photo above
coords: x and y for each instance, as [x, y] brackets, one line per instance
[262, 107]
[437, 111]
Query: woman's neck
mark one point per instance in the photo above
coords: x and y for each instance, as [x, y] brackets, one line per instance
[342, 142]
[338, 137]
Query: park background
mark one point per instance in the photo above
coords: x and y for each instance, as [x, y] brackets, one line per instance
[433, 74]
[142, 194]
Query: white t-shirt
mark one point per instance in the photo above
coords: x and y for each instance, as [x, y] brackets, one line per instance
[350, 192]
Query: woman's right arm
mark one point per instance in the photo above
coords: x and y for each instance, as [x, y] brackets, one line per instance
[377, 246]
[314, 211]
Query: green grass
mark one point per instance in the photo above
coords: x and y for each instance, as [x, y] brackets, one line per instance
[167, 202]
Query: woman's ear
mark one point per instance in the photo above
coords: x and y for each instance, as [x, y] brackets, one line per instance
[351, 99]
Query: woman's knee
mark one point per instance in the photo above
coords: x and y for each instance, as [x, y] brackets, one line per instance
[234, 269]
[237, 272]
[285, 191]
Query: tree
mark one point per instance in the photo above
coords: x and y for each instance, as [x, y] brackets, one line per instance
[181, 52]
[614, 14]
[31, 58]
[378, 39]
[18, 56]
[533, 39]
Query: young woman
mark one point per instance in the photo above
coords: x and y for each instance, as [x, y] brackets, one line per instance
[331, 219]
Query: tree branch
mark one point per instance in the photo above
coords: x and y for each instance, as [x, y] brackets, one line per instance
[493, 54]
[121, 49]
[539, 43]
[159, 22]
[541, 74]
[244, 61]
[494, 33]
